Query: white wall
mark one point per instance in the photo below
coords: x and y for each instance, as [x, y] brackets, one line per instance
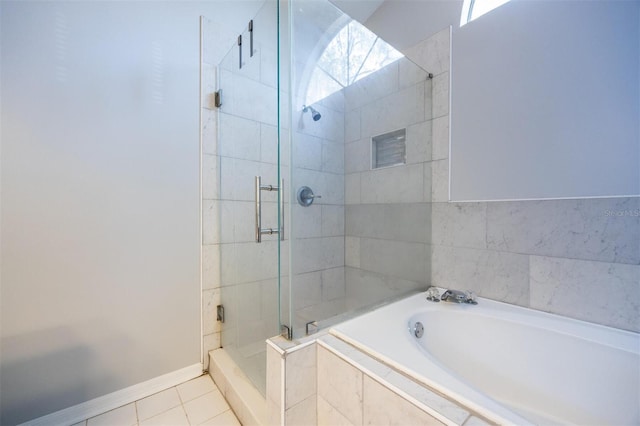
[545, 102]
[100, 199]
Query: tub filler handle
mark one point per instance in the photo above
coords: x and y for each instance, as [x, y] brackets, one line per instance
[457, 296]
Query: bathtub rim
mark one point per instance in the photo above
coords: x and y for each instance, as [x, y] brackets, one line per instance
[486, 406]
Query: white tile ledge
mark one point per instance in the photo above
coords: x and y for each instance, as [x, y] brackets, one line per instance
[448, 412]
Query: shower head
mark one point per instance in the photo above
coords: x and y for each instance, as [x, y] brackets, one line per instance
[314, 114]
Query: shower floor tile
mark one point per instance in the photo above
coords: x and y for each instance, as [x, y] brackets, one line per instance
[196, 402]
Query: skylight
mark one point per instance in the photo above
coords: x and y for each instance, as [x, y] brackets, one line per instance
[352, 54]
[472, 9]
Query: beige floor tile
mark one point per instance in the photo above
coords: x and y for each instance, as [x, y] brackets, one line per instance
[174, 417]
[225, 419]
[195, 388]
[123, 416]
[205, 407]
[157, 403]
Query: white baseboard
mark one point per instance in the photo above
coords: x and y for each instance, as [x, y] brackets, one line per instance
[102, 404]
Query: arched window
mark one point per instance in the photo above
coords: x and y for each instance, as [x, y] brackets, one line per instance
[472, 9]
[352, 54]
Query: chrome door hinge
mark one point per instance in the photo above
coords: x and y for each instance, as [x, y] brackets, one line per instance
[287, 332]
[220, 313]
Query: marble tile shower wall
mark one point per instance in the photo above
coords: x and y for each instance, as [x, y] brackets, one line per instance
[388, 232]
[239, 141]
[577, 258]
[318, 230]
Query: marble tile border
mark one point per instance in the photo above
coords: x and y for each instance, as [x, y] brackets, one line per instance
[433, 404]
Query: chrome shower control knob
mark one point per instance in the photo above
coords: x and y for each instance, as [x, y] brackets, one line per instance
[306, 196]
[418, 329]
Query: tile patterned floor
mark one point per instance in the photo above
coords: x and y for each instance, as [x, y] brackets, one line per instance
[196, 402]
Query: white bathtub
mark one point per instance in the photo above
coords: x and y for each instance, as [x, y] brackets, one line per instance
[513, 365]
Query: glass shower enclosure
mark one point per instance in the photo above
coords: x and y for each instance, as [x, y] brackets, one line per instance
[324, 144]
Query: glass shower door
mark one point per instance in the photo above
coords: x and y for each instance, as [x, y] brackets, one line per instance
[247, 149]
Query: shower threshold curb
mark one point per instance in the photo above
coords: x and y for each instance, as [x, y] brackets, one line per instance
[247, 403]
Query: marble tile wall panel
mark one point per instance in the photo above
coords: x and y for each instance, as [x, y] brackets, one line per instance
[307, 289]
[366, 288]
[381, 406]
[333, 220]
[234, 258]
[209, 131]
[427, 183]
[400, 184]
[459, 224]
[372, 88]
[357, 156]
[352, 251]
[440, 97]
[432, 54]
[332, 157]
[275, 373]
[352, 126]
[210, 266]
[268, 66]
[418, 143]
[315, 254]
[579, 229]
[306, 221]
[495, 275]
[402, 222]
[440, 138]
[241, 137]
[269, 145]
[257, 303]
[409, 73]
[210, 177]
[210, 222]
[395, 111]
[329, 127]
[333, 284]
[330, 416]
[340, 385]
[335, 101]
[440, 180]
[248, 98]
[352, 189]
[300, 375]
[302, 414]
[601, 292]
[397, 259]
[307, 151]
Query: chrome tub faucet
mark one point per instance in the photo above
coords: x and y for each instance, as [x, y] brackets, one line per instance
[454, 296]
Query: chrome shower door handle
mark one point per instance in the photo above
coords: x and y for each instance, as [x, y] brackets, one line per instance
[281, 195]
[258, 229]
[258, 191]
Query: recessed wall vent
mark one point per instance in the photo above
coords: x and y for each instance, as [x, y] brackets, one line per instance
[389, 149]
